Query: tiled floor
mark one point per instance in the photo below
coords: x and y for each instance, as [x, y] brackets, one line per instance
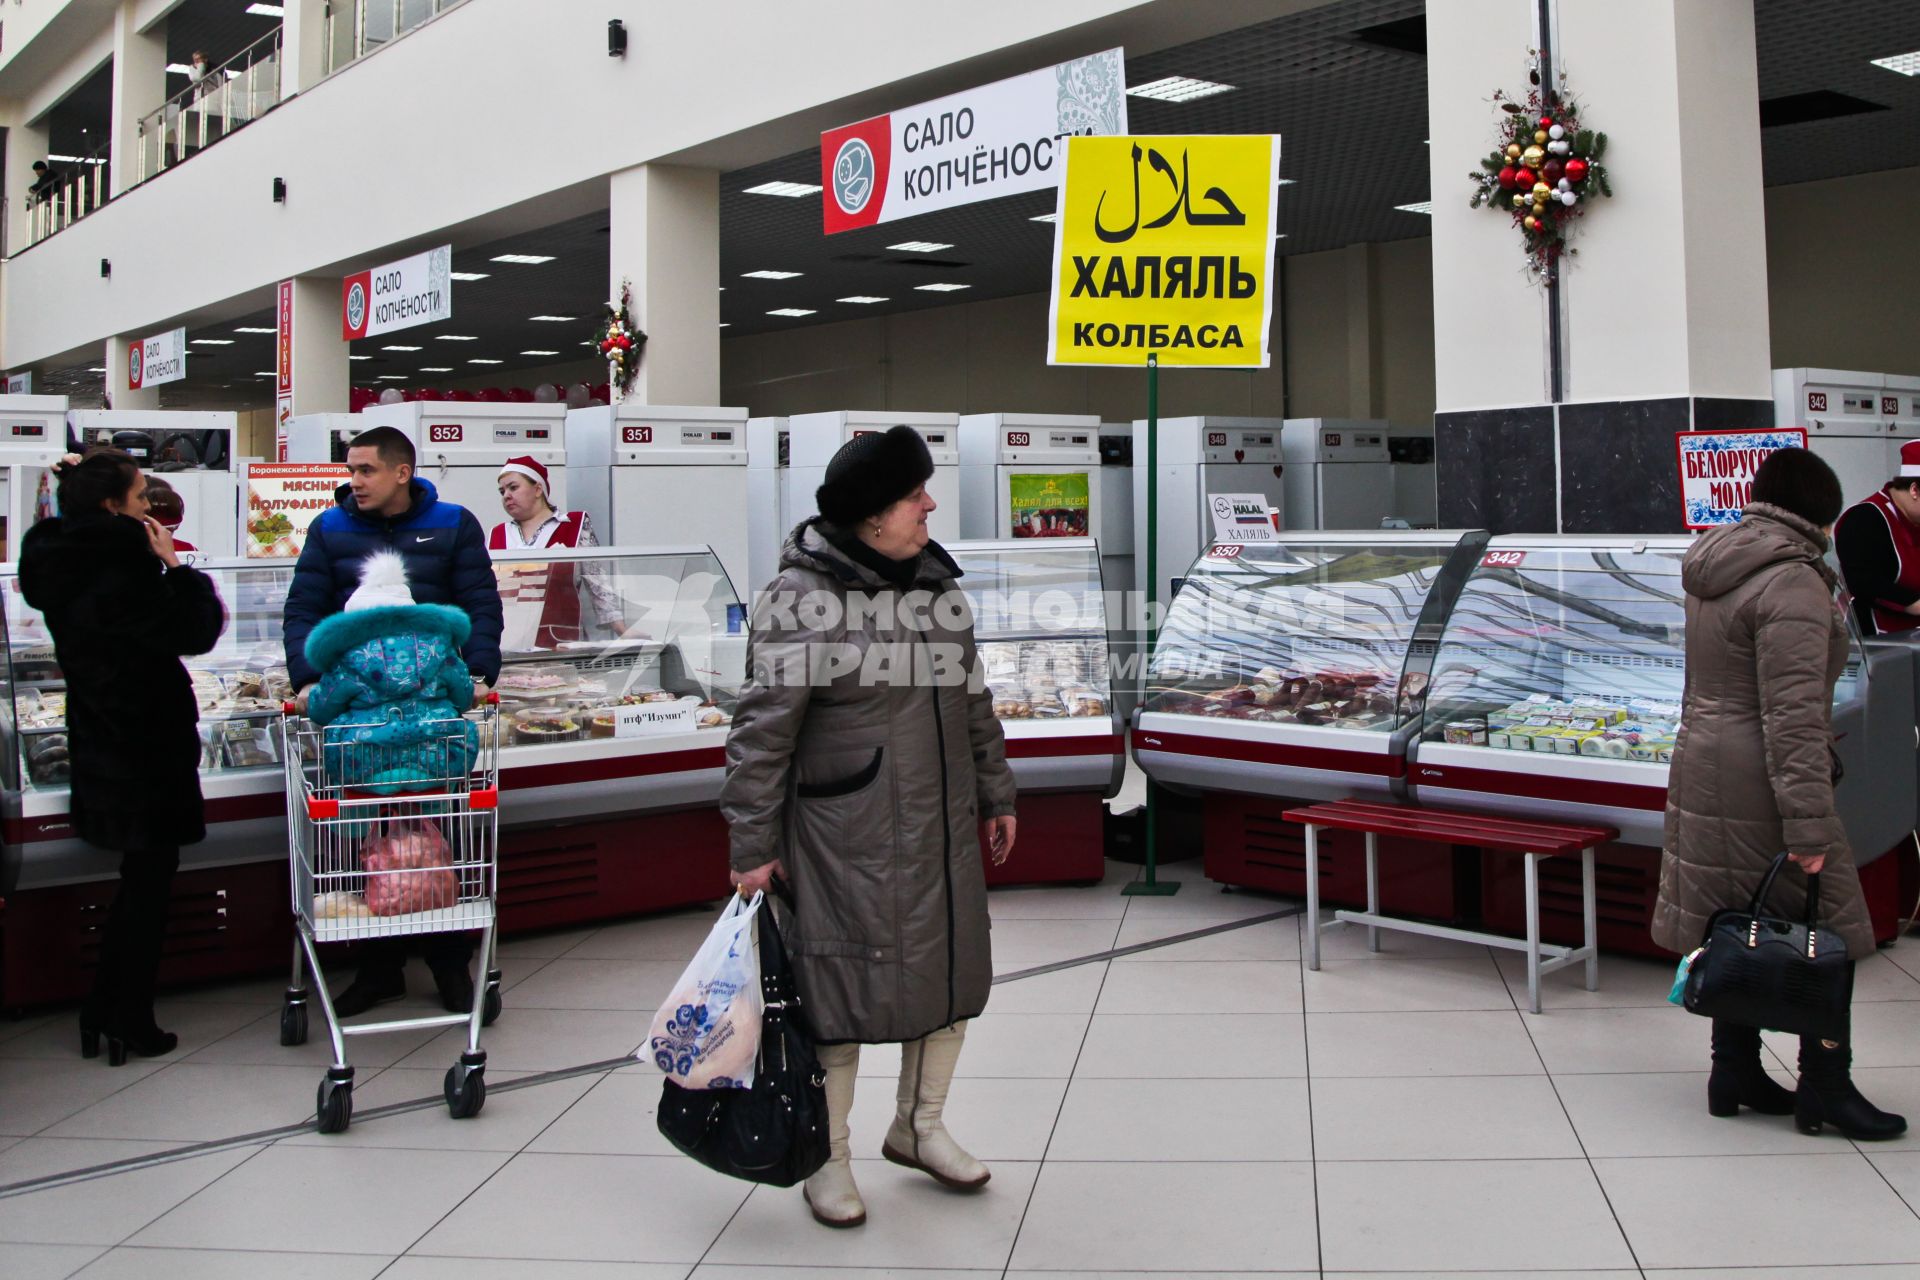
[1205, 1108]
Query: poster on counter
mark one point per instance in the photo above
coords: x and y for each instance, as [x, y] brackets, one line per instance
[981, 144]
[156, 360]
[399, 295]
[1716, 470]
[283, 500]
[1241, 518]
[1164, 245]
[1049, 505]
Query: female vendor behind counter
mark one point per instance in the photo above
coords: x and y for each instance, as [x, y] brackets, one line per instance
[542, 602]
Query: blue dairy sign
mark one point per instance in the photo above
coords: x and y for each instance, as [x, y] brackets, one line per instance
[1716, 470]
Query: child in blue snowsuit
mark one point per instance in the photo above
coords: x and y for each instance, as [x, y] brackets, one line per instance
[393, 686]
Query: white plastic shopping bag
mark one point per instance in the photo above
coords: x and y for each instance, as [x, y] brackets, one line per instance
[707, 1034]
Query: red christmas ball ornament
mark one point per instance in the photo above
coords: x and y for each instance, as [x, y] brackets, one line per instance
[623, 342]
[1576, 170]
[1508, 178]
[1546, 122]
[1552, 171]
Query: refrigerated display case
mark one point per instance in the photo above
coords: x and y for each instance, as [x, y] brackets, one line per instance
[611, 760]
[1041, 623]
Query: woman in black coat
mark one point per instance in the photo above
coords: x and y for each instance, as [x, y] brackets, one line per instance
[122, 611]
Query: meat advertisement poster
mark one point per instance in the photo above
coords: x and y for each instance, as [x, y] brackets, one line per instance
[1048, 505]
[283, 500]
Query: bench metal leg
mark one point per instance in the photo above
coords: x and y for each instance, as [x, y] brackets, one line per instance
[1313, 896]
[1373, 888]
[1590, 910]
[1533, 931]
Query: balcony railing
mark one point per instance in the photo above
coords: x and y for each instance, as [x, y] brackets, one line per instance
[81, 184]
[238, 91]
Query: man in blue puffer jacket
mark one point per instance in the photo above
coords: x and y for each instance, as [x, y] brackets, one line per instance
[385, 506]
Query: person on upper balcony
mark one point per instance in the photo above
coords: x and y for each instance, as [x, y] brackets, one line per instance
[1878, 543]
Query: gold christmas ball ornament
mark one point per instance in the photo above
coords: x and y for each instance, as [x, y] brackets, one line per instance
[1541, 191]
[1540, 136]
[1519, 201]
[1533, 223]
[1513, 151]
[1533, 157]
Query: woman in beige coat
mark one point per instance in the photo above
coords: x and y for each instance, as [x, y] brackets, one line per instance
[866, 769]
[1753, 772]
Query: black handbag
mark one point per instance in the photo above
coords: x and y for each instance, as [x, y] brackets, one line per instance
[1761, 971]
[775, 1132]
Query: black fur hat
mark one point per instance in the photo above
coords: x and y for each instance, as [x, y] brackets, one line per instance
[871, 472]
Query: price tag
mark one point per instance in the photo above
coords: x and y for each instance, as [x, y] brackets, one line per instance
[1503, 559]
[646, 719]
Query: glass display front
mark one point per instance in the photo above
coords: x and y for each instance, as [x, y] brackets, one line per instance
[587, 633]
[1571, 651]
[1040, 619]
[1309, 632]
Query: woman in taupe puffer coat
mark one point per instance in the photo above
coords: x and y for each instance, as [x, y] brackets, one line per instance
[1752, 775]
[866, 768]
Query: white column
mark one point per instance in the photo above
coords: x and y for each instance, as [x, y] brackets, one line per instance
[139, 86]
[25, 144]
[1668, 296]
[322, 374]
[119, 395]
[665, 238]
[303, 44]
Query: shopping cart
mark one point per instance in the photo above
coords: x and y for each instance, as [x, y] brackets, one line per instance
[388, 840]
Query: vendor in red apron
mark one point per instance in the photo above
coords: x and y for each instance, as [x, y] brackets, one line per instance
[542, 600]
[1878, 544]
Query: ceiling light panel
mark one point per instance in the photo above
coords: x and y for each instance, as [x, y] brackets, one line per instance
[522, 259]
[539, 353]
[434, 368]
[483, 361]
[456, 337]
[212, 342]
[400, 348]
[793, 190]
[468, 275]
[919, 246]
[1419, 206]
[254, 329]
[944, 286]
[790, 311]
[1907, 64]
[1178, 89]
[862, 299]
[769, 275]
[558, 318]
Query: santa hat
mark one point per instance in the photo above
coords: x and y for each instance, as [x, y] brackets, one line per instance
[531, 468]
[383, 583]
[1910, 460]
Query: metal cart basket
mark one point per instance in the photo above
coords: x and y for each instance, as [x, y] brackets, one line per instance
[392, 831]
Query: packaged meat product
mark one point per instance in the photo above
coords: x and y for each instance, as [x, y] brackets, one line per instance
[408, 869]
[1467, 733]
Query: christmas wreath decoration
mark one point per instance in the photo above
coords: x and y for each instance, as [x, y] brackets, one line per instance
[620, 342]
[1545, 165]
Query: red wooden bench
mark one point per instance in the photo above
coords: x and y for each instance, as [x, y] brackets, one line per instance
[1532, 840]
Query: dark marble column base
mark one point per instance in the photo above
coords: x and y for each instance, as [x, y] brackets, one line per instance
[1598, 467]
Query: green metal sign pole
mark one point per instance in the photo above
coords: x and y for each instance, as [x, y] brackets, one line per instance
[1152, 886]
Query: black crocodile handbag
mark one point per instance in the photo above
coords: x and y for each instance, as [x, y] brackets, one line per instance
[775, 1132]
[1762, 971]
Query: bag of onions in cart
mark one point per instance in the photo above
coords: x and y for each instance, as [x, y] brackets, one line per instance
[393, 687]
[707, 1034]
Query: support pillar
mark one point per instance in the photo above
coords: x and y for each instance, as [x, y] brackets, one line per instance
[25, 144]
[322, 374]
[1364, 389]
[665, 238]
[139, 87]
[119, 394]
[1664, 307]
[303, 44]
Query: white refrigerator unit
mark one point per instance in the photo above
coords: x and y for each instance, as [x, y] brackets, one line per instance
[1198, 457]
[1029, 475]
[1416, 488]
[813, 439]
[192, 450]
[659, 474]
[769, 503]
[324, 437]
[1339, 473]
[460, 445]
[33, 435]
[1842, 413]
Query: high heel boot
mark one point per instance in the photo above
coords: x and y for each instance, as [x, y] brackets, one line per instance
[918, 1137]
[1739, 1079]
[831, 1192]
[1827, 1095]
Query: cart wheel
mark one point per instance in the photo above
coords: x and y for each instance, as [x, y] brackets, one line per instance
[293, 1024]
[334, 1108]
[490, 1009]
[466, 1090]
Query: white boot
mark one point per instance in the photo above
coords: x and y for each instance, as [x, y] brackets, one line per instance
[918, 1138]
[830, 1192]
